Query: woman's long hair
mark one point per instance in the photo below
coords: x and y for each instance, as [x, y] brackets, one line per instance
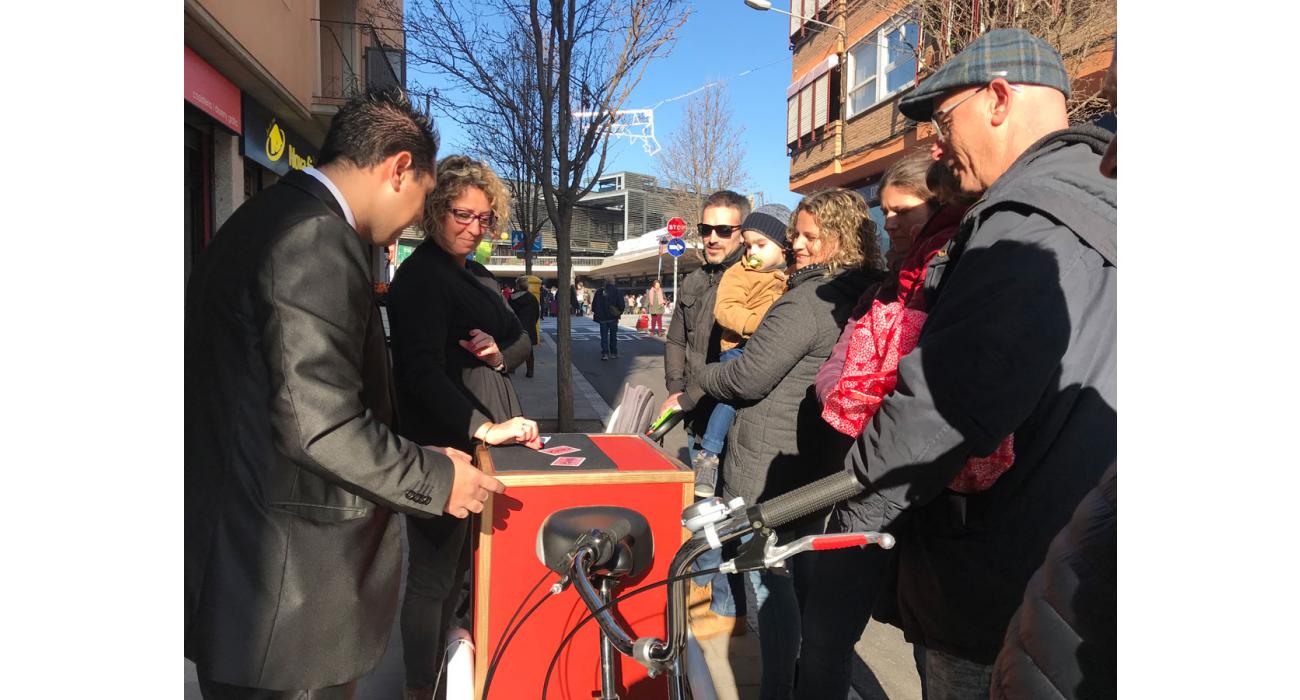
[844, 219]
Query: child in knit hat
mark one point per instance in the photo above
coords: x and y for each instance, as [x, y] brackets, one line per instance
[745, 293]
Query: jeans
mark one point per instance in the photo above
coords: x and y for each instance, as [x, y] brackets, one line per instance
[724, 586]
[947, 677]
[609, 337]
[843, 590]
[774, 614]
[715, 435]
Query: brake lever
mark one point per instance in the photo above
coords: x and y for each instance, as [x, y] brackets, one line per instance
[773, 556]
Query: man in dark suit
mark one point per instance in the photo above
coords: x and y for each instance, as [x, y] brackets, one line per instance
[292, 471]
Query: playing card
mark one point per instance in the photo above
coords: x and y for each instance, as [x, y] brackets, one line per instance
[534, 444]
[559, 450]
[568, 461]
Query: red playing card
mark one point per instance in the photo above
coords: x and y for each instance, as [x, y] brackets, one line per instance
[534, 444]
[559, 450]
[568, 461]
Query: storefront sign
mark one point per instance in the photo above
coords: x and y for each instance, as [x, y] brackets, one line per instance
[209, 90]
[269, 142]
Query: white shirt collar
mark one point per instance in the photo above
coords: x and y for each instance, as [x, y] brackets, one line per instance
[334, 190]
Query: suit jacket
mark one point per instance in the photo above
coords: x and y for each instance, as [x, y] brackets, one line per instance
[292, 473]
[444, 393]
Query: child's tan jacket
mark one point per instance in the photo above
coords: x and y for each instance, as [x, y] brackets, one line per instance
[744, 295]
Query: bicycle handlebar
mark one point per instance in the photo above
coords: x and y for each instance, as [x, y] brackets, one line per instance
[809, 499]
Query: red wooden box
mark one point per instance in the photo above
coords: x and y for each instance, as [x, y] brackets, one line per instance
[643, 478]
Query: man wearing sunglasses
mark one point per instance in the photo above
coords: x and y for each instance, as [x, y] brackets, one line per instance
[692, 342]
[1020, 341]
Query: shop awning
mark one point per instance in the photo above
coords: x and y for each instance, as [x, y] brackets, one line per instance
[816, 72]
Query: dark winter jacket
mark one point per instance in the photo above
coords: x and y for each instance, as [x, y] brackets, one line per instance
[693, 339]
[1020, 339]
[1061, 642]
[608, 304]
[444, 393]
[778, 441]
[528, 311]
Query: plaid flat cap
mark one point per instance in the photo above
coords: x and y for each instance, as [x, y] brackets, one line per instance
[1012, 54]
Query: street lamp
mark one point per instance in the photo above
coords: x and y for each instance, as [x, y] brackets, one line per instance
[765, 5]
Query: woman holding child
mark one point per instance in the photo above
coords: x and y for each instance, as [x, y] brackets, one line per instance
[778, 441]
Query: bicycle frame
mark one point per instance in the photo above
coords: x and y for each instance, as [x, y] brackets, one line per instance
[713, 525]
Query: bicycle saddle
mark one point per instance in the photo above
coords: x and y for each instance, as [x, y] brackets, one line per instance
[633, 550]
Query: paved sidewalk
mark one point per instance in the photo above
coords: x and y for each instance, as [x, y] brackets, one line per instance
[537, 394]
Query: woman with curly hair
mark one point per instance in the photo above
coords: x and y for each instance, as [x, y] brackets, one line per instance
[454, 344]
[778, 441]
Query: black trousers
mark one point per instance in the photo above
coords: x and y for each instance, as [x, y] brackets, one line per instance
[843, 589]
[435, 601]
[212, 690]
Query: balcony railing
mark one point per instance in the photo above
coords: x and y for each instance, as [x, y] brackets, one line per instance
[354, 57]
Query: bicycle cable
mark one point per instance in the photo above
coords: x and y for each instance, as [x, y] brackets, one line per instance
[510, 634]
[592, 615]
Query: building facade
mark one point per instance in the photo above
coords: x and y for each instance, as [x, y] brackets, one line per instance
[263, 78]
[620, 208]
[843, 127]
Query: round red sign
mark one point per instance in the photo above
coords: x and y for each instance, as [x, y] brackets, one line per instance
[676, 226]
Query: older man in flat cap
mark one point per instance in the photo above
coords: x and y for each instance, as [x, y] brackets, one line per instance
[1020, 342]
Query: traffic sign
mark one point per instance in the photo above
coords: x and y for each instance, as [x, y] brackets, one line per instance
[677, 227]
[676, 247]
[517, 243]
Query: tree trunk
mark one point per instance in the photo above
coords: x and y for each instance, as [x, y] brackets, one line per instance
[564, 348]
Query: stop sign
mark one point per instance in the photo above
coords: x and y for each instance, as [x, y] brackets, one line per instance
[676, 226]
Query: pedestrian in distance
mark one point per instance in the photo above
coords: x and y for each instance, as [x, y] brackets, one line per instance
[1019, 340]
[778, 441]
[607, 306]
[655, 302]
[292, 471]
[527, 309]
[454, 342]
[745, 293]
[690, 346]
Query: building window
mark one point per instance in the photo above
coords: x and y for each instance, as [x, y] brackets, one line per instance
[811, 109]
[883, 63]
[815, 9]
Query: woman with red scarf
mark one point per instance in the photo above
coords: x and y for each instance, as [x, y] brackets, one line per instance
[922, 211]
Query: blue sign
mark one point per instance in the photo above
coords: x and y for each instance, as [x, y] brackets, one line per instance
[517, 242]
[676, 247]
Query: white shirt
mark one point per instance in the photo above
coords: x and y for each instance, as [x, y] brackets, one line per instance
[334, 190]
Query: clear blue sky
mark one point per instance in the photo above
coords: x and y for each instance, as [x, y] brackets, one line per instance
[720, 40]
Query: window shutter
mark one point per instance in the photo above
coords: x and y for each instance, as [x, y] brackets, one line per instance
[821, 100]
[805, 111]
[796, 8]
[792, 119]
[821, 4]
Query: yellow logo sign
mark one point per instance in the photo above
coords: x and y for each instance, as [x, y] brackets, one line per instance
[274, 142]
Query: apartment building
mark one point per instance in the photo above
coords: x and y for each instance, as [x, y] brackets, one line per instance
[263, 78]
[843, 127]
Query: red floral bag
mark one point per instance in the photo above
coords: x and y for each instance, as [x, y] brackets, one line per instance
[880, 338]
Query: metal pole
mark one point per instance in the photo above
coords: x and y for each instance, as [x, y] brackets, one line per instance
[608, 662]
[676, 297]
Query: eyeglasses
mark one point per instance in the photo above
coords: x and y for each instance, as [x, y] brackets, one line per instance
[938, 118]
[722, 230]
[464, 216]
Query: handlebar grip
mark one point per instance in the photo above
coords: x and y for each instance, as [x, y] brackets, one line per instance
[809, 498]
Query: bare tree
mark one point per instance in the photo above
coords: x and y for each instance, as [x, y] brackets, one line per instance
[703, 155]
[1078, 29]
[579, 56]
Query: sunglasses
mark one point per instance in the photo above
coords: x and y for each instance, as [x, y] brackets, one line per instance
[464, 216]
[722, 230]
